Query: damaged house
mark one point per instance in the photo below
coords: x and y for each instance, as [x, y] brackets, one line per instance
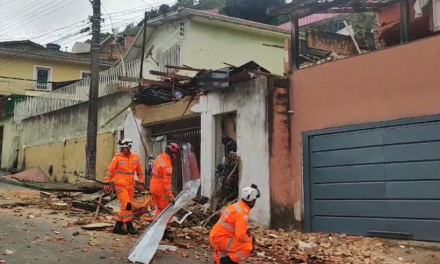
[239, 113]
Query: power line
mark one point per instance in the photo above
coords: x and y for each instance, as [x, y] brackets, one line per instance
[8, 2]
[71, 2]
[16, 13]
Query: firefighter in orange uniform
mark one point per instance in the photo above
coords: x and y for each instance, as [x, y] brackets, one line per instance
[231, 233]
[120, 175]
[160, 185]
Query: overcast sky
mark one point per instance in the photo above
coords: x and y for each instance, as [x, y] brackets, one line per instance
[59, 21]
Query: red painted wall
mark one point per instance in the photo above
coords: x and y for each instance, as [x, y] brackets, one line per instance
[394, 83]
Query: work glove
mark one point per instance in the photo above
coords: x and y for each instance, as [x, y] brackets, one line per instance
[171, 199]
[107, 188]
[141, 187]
[253, 242]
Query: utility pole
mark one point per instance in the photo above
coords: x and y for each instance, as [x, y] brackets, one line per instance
[92, 125]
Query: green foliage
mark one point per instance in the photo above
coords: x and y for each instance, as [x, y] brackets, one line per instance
[362, 22]
[253, 10]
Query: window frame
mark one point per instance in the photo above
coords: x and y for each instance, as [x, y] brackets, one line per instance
[49, 85]
[81, 74]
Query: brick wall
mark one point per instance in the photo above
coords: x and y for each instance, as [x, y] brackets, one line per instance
[327, 41]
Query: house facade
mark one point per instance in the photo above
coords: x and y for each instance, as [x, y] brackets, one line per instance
[113, 48]
[31, 69]
[205, 40]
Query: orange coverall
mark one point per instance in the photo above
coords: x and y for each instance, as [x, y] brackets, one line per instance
[121, 171]
[160, 185]
[230, 233]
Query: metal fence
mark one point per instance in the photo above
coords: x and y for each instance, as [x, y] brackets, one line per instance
[77, 92]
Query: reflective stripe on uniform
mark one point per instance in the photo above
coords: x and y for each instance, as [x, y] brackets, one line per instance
[125, 172]
[238, 208]
[157, 176]
[118, 190]
[231, 240]
[125, 216]
[168, 189]
[227, 226]
[161, 162]
[240, 256]
[108, 176]
[141, 174]
[166, 197]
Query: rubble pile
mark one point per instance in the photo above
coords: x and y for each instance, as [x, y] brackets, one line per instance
[330, 57]
[279, 246]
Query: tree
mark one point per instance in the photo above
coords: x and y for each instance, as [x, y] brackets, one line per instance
[253, 10]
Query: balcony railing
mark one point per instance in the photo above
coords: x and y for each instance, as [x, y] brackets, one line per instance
[77, 92]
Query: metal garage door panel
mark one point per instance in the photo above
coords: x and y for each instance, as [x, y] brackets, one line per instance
[353, 226]
[429, 170]
[350, 208]
[419, 229]
[413, 190]
[414, 209]
[360, 173]
[386, 179]
[346, 140]
[348, 157]
[412, 133]
[375, 190]
[412, 152]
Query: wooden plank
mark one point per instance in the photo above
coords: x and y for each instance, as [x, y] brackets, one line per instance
[127, 89]
[171, 75]
[144, 81]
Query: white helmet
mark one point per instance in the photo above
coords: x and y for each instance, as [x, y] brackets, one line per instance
[125, 143]
[250, 193]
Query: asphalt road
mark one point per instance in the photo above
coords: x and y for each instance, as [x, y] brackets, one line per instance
[46, 239]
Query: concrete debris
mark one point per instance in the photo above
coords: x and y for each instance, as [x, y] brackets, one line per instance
[94, 242]
[96, 226]
[330, 57]
[60, 206]
[8, 252]
[167, 248]
[295, 247]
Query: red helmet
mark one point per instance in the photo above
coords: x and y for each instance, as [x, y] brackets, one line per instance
[174, 148]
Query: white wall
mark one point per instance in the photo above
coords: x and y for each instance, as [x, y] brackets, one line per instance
[210, 44]
[131, 131]
[9, 145]
[249, 100]
[163, 38]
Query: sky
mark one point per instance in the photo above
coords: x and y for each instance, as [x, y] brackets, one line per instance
[59, 21]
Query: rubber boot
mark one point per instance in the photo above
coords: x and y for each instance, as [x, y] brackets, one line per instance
[118, 228]
[227, 260]
[168, 235]
[130, 228]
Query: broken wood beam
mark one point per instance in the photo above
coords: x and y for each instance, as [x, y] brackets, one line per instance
[171, 75]
[266, 74]
[145, 81]
[126, 89]
[185, 68]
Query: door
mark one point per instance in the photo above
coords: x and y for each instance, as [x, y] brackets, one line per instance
[381, 180]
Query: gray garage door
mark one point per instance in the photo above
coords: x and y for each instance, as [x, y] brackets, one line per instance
[378, 181]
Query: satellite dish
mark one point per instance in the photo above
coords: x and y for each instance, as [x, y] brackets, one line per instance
[150, 53]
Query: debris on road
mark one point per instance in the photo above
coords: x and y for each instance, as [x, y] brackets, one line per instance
[192, 232]
[96, 226]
